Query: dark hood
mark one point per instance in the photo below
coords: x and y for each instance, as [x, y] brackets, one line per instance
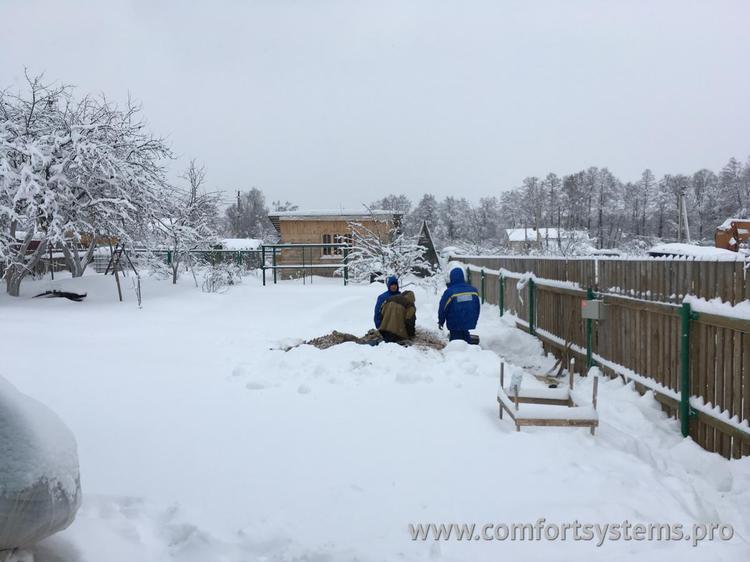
[391, 280]
[457, 276]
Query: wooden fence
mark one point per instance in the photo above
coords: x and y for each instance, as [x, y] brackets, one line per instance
[658, 279]
[640, 339]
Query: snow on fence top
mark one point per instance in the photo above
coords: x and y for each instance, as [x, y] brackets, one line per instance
[716, 306]
[708, 257]
[691, 250]
[241, 243]
[727, 224]
[317, 213]
[534, 234]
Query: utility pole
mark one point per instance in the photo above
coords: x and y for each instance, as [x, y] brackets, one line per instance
[683, 212]
[239, 214]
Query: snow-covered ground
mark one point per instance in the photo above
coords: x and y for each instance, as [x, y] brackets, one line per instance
[199, 440]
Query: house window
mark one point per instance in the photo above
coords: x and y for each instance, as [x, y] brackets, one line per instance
[338, 239]
[327, 240]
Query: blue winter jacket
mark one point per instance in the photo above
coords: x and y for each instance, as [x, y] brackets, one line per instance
[384, 297]
[459, 305]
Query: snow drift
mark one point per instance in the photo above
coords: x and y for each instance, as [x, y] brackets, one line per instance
[39, 481]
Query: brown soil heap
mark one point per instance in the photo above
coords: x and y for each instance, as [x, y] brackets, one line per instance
[423, 340]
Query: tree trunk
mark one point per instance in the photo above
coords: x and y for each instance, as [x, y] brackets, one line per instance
[15, 272]
[76, 265]
[13, 278]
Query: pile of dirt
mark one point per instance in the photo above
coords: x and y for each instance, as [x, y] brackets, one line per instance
[334, 338]
[423, 340]
[428, 340]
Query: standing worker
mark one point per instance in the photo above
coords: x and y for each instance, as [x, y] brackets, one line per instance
[459, 307]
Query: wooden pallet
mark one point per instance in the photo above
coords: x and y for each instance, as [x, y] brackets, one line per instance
[550, 407]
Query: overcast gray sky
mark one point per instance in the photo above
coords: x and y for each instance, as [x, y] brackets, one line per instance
[330, 103]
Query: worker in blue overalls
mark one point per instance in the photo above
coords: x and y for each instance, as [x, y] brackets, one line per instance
[459, 307]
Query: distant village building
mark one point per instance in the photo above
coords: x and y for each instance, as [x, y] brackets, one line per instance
[522, 239]
[325, 227]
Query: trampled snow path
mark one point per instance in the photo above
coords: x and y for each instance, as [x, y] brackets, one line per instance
[198, 442]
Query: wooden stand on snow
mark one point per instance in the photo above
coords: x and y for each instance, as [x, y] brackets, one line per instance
[114, 265]
[554, 406]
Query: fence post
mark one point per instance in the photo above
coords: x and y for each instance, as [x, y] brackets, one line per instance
[532, 307]
[501, 293]
[482, 286]
[468, 275]
[589, 334]
[263, 263]
[685, 316]
[273, 262]
[346, 266]
[169, 257]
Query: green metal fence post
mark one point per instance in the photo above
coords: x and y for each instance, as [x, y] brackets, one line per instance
[346, 266]
[685, 316]
[482, 285]
[589, 334]
[468, 275]
[263, 263]
[532, 307]
[501, 294]
[273, 262]
[169, 257]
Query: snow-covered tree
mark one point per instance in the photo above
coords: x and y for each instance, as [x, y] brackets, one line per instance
[427, 210]
[248, 217]
[374, 257]
[279, 206]
[454, 215]
[397, 203]
[70, 169]
[190, 219]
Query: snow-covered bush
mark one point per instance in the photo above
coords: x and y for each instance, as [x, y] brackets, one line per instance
[219, 277]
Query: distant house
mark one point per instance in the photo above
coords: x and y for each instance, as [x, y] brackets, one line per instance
[521, 239]
[325, 227]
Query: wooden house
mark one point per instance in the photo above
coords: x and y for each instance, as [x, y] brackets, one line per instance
[324, 227]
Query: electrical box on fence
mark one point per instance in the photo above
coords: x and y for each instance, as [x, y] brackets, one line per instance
[593, 310]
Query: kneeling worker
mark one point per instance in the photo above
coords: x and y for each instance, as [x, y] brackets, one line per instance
[459, 307]
[398, 317]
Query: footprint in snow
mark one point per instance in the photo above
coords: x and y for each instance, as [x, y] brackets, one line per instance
[304, 389]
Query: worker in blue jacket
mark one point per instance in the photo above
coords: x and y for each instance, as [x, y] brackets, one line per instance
[459, 307]
[393, 289]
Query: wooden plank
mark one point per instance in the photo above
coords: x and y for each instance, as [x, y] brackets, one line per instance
[556, 422]
[726, 396]
[739, 282]
[711, 374]
[736, 409]
[703, 343]
[724, 429]
[635, 304]
[735, 324]
[578, 293]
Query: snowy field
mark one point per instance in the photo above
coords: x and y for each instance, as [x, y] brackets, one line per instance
[201, 442]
